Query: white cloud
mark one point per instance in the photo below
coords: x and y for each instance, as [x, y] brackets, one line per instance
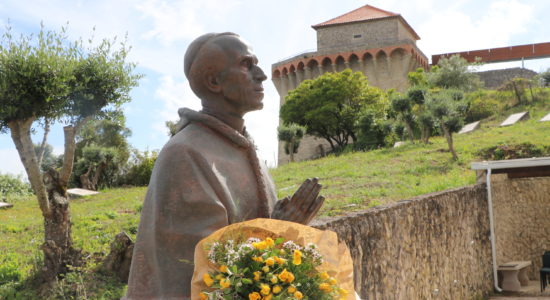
[181, 20]
[171, 22]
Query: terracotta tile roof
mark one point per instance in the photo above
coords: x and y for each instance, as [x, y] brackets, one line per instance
[363, 13]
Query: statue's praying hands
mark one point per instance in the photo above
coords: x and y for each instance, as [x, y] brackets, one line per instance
[302, 206]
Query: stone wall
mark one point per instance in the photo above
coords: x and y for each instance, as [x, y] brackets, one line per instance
[376, 33]
[522, 220]
[431, 247]
[496, 78]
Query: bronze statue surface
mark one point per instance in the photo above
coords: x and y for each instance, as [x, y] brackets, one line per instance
[208, 175]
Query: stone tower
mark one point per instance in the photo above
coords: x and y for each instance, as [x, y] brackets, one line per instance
[379, 43]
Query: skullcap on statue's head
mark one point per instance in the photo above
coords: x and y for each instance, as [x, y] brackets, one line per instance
[196, 55]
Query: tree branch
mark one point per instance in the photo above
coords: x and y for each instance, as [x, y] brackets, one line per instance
[21, 136]
[70, 147]
[44, 140]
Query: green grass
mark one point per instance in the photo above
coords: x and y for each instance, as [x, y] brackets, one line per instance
[351, 181]
[96, 220]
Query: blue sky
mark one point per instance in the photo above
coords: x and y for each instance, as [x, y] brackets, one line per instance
[159, 32]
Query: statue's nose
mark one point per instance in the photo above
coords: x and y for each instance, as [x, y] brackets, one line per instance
[259, 74]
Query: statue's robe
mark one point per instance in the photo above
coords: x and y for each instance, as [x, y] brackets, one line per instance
[206, 177]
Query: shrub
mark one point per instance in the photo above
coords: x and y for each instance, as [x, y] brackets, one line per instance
[9, 269]
[13, 186]
[513, 151]
[483, 104]
[141, 167]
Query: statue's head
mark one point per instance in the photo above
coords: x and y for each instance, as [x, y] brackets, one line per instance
[222, 67]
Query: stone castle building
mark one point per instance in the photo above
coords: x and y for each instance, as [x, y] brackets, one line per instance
[378, 43]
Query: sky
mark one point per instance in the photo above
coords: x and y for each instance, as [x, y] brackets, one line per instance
[159, 32]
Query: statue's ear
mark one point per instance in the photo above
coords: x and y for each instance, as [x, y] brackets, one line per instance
[212, 83]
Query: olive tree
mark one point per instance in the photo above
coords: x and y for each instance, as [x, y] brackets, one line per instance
[445, 101]
[47, 77]
[402, 106]
[291, 134]
[448, 108]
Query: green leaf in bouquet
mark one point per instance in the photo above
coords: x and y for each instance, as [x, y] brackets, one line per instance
[246, 281]
[234, 269]
[279, 241]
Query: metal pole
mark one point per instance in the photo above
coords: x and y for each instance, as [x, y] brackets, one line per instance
[492, 227]
[522, 63]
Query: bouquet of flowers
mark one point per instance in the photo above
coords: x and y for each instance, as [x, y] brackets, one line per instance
[254, 260]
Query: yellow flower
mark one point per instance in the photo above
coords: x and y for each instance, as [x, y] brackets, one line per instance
[324, 275]
[279, 260]
[225, 283]
[270, 261]
[260, 245]
[254, 296]
[286, 276]
[343, 292]
[264, 289]
[298, 295]
[224, 269]
[265, 269]
[257, 275]
[291, 289]
[207, 279]
[269, 242]
[273, 279]
[203, 296]
[277, 289]
[332, 281]
[268, 297]
[257, 258]
[297, 257]
[325, 287]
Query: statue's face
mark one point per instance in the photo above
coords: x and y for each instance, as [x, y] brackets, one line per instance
[241, 79]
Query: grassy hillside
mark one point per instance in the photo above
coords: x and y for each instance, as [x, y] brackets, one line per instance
[351, 181]
[363, 179]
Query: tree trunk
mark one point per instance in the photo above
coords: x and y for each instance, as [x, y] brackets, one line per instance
[52, 198]
[44, 140]
[291, 149]
[425, 132]
[533, 99]
[85, 179]
[97, 175]
[330, 143]
[409, 131]
[449, 137]
[353, 137]
[58, 249]
[21, 136]
[68, 154]
[516, 91]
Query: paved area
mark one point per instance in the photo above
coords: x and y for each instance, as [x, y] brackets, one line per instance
[5, 205]
[530, 292]
[80, 192]
[519, 298]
